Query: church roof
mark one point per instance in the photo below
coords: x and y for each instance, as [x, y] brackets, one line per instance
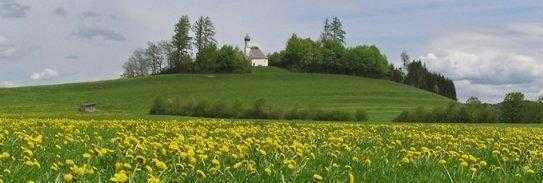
[256, 53]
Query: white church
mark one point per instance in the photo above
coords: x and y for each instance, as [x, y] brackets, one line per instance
[255, 55]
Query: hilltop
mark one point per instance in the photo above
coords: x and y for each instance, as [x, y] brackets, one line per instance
[382, 99]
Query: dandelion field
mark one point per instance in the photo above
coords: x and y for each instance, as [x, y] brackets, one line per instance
[206, 150]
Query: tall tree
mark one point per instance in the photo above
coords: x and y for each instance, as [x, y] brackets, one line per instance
[512, 107]
[333, 30]
[204, 33]
[153, 53]
[405, 59]
[326, 32]
[181, 42]
[336, 27]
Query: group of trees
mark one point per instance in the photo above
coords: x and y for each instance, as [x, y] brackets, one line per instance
[176, 55]
[419, 76]
[330, 55]
[513, 109]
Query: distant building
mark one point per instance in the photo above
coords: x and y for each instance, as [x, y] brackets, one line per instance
[255, 55]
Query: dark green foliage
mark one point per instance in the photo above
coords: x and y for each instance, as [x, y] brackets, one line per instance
[396, 75]
[160, 106]
[181, 42]
[232, 60]
[276, 58]
[512, 108]
[454, 113]
[334, 115]
[418, 76]
[302, 55]
[365, 61]
[259, 110]
[361, 115]
[206, 60]
[306, 55]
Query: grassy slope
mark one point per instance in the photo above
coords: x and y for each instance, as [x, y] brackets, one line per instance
[133, 97]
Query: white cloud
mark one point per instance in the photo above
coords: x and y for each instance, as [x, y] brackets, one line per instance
[46, 74]
[490, 63]
[7, 84]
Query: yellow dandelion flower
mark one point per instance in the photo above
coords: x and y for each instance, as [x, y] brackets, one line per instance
[120, 177]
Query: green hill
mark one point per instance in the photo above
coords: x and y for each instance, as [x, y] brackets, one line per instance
[132, 97]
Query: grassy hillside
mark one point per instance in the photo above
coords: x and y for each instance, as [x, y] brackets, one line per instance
[132, 97]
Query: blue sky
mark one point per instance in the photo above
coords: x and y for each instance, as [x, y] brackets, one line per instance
[487, 47]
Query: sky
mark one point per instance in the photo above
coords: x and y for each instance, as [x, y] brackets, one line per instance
[488, 47]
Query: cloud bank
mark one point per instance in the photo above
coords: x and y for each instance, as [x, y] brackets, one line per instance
[492, 61]
[12, 9]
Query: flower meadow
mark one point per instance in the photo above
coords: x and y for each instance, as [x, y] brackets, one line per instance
[208, 150]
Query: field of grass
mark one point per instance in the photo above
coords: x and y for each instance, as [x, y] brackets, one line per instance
[132, 98]
[65, 150]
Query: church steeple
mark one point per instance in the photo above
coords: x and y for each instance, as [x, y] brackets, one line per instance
[247, 40]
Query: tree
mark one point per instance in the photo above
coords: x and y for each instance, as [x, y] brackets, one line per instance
[512, 108]
[336, 27]
[333, 30]
[206, 60]
[540, 99]
[181, 42]
[405, 59]
[137, 64]
[366, 61]
[154, 53]
[204, 33]
[168, 54]
[232, 60]
[396, 74]
[326, 33]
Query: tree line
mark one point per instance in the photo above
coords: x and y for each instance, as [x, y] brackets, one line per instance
[330, 55]
[176, 55]
[415, 73]
[513, 109]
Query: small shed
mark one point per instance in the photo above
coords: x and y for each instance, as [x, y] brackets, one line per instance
[87, 107]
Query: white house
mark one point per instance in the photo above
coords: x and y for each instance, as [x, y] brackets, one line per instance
[255, 55]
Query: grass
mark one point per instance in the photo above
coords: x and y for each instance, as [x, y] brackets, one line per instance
[132, 98]
[211, 150]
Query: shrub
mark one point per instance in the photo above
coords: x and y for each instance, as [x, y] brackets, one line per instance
[160, 106]
[298, 113]
[361, 115]
[259, 110]
[334, 115]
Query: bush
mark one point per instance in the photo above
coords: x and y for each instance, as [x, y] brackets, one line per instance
[303, 114]
[259, 110]
[361, 115]
[334, 115]
[514, 109]
[160, 106]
